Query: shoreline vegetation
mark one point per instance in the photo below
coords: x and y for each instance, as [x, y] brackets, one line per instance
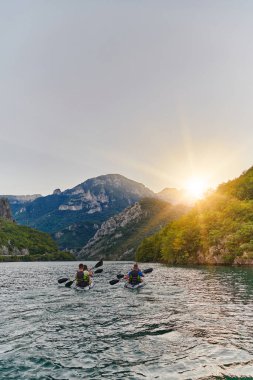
[21, 243]
[58, 256]
[218, 230]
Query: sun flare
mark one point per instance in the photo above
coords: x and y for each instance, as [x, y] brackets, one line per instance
[196, 187]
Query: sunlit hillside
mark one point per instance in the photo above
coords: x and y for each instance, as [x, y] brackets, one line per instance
[20, 243]
[218, 230]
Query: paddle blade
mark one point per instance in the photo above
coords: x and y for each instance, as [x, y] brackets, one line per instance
[99, 271]
[149, 270]
[113, 282]
[62, 280]
[99, 264]
[69, 283]
[119, 276]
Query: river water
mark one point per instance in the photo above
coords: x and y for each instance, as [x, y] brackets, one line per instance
[187, 323]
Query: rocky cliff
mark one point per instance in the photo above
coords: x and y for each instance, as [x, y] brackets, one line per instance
[119, 236]
[110, 232]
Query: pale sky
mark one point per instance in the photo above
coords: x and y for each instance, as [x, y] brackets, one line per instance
[157, 91]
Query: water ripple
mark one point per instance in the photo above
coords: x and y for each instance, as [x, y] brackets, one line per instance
[187, 323]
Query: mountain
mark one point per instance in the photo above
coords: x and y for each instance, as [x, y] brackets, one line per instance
[174, 196]
[19, 243]
[15, 199]
[73, 216]
[119, 236]
[217, 230]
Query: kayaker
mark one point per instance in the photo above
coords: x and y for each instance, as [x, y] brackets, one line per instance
[134, 277]
[83, 276]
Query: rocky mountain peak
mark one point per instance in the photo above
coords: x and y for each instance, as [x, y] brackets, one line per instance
[110, 183]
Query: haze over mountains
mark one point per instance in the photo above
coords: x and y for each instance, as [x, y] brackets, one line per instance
[175, 196]
[73, 216]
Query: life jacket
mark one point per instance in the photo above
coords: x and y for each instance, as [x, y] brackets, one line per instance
[82, 278]
[134, 277]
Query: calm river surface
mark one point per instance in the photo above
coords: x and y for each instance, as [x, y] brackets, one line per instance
[187, 323]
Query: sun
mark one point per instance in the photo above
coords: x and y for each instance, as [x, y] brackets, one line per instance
[196, 187]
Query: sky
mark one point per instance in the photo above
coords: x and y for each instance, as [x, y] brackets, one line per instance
[158, 91]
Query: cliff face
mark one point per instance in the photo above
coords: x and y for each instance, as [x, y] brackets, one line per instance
[5, 211]
[218, 254]
[120, 235]
[110, 232]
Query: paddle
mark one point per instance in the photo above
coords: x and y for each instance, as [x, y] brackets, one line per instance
[68, 284]
[99, 271]
[113, 282]
[99, 264]
[62, 280]
[120, 276]
[149, 270]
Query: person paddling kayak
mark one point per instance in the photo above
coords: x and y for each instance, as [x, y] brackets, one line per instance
[134, 277]
[83, 276]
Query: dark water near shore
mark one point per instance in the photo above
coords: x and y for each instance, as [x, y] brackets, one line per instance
[187, 323]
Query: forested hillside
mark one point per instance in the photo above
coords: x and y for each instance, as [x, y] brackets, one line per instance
[20, 243]
[218, 230]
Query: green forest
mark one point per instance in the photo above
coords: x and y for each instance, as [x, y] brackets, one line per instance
[20, 243]
[217, 230]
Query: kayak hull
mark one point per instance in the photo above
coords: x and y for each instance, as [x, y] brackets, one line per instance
[134, 287]
[85, 289]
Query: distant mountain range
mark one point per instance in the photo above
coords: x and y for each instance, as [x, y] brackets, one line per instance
[21, 198]
[115, 217]
[73, 216]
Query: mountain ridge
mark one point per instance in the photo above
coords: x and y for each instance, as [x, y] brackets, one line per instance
[73, 216]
